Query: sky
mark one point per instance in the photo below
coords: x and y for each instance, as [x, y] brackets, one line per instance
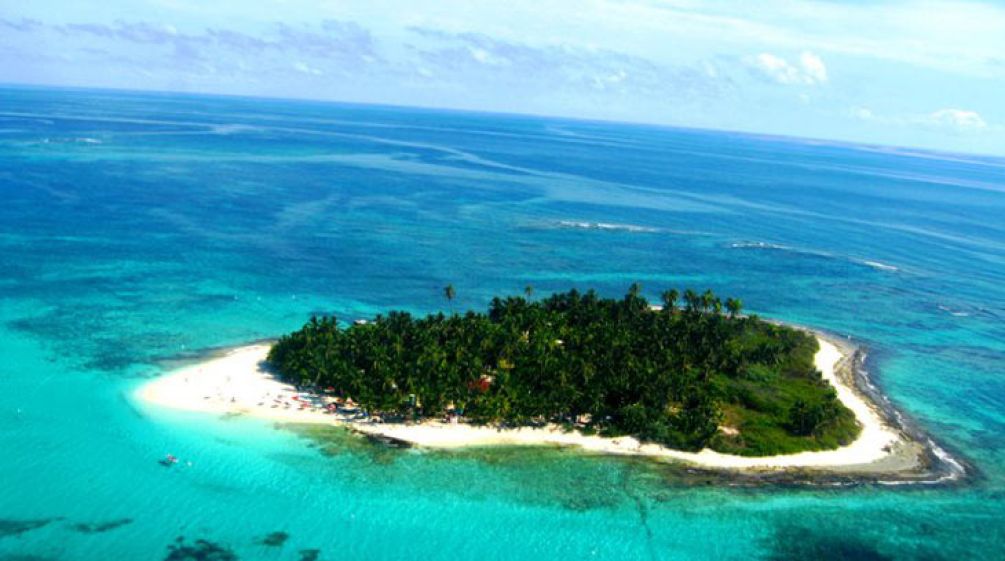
[927, 74]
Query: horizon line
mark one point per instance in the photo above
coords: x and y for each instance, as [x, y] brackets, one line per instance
[905, 150]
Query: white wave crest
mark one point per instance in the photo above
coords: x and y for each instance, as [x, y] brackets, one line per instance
[952, 312]
[758, 245]
[605, 226]
[880, 266]
[232, 128]
[74, 140]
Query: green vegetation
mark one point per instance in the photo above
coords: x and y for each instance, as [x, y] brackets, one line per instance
[687, 376]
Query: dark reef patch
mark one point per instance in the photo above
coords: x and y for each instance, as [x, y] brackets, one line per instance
[831, 549]
[200, 550]
[792, 543]
[10, 527]
[100, 527]
[275, 539]
[310, 554]
[335, 441]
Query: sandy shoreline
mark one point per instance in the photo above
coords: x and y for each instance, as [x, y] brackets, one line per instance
[237, 384]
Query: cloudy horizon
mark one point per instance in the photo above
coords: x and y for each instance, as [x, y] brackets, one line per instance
[918, 74]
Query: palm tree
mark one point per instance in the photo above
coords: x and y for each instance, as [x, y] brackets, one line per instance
[707, 300]
[670, 300]
[528, 291]
[634, 303]
[734, 305]
[449, 292]
[634, 290]
[692, 300]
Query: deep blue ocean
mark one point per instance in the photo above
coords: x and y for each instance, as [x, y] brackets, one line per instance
[140, 231]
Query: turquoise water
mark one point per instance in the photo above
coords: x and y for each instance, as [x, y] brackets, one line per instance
[136, 230]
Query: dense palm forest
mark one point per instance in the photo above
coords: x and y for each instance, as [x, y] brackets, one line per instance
[696, 373]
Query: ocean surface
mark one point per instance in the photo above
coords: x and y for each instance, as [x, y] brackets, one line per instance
[140, 231]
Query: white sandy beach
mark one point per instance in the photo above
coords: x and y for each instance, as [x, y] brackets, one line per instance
[235, 383]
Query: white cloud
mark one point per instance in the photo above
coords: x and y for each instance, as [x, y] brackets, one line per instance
[862, 113]
[958, 36]
[612, 79]
[485, 57]
[950, 120]
[959, 119]
[809, 70]
[303, 68]
[813, 67]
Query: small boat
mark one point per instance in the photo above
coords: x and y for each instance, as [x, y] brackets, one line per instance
[168, 460]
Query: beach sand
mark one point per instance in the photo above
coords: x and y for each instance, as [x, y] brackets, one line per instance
[238, 383]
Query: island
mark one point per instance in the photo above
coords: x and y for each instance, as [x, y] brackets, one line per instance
[693, 380]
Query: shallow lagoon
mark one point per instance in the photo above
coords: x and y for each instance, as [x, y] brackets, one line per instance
[140, 229]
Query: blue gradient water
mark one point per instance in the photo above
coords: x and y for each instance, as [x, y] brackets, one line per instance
[139, 229]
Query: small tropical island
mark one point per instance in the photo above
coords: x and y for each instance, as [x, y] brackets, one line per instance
[693, 380]
[690, 376]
